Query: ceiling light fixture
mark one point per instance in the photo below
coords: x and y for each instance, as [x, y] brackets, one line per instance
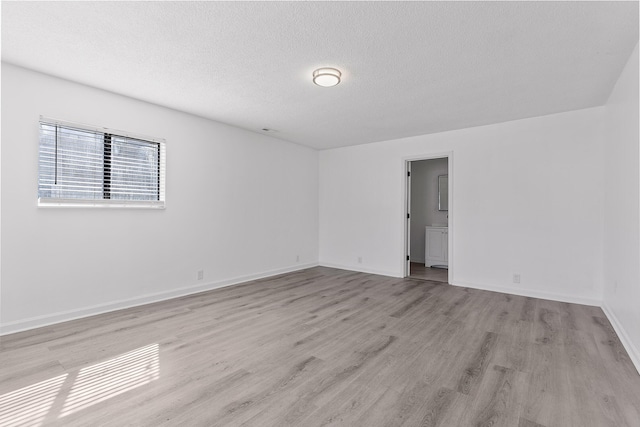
[326, 77]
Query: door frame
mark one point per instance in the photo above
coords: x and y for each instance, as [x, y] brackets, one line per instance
[406, 168]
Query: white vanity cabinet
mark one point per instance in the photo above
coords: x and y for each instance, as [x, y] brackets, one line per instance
[436, 247]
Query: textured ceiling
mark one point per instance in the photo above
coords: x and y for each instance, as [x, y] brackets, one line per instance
[409, 68]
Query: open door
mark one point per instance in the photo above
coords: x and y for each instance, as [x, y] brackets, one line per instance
[427, 188]
[407, 268]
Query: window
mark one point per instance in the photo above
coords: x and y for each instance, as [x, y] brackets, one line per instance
[83, 166]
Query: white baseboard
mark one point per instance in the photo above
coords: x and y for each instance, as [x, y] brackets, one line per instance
[533, 293]
[631, 349]
[64, 316]
[360, 269]
[628, 345]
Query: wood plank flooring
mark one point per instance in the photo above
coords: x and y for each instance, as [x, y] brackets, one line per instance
[325, 347]
[419, 271]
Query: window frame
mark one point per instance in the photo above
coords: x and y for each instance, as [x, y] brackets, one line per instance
[106, 201]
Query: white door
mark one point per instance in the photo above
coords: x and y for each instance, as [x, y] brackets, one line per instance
[408, 222]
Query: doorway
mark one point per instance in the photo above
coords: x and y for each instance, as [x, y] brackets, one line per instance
[428, 219]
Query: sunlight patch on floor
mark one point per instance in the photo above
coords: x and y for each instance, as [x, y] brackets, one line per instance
[33, 405]
[105, 380]
[29, 405]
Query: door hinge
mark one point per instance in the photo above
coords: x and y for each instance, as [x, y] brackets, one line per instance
[408, 173]
[407, 257]
[408, 216]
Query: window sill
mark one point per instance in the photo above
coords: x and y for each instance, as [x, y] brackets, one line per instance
[122, 204]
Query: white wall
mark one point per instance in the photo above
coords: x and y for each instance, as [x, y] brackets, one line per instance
[527, 199]
[424, 202]
[239, 205]
[622, 209]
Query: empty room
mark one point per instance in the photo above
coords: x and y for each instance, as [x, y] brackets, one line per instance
[320, 213]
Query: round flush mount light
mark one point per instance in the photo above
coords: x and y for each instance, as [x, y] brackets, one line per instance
[326, 77]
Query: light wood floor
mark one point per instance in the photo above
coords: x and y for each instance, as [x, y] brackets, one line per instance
[325, 347]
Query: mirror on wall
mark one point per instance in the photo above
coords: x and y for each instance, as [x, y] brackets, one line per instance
[443, 192]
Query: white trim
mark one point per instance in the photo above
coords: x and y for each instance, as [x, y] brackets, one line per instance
[99, 203]
[408, 180]
[65, 316]
[533, 293]
[450, 216]
[360, 269]
[632, 350]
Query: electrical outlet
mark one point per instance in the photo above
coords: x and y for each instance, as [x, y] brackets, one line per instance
[359, 260]
[297, 258]
[516, 278]
[200, 274]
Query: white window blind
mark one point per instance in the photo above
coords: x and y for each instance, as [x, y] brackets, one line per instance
[84, 166]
